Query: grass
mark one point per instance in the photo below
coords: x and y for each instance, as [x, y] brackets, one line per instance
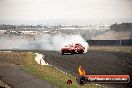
[26, 61]
[55, 77]
[112, 48]
[52, 75]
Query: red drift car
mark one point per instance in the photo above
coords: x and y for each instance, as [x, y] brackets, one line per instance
[73, 48]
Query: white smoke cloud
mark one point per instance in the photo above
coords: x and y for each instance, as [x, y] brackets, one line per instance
[43, 42]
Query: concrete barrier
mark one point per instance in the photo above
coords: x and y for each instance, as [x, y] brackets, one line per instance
[40, 59]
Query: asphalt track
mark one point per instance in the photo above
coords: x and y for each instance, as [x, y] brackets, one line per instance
[94, 62]
[16, 78]
[12, 75]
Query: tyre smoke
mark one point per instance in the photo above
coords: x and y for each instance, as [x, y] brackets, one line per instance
[41, 42]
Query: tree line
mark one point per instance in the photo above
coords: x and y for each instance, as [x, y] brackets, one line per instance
[121, 27]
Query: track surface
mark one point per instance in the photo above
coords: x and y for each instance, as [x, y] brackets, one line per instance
[12, 74]
[94, 62]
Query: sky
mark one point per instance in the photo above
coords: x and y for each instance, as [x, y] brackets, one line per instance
[65, 9]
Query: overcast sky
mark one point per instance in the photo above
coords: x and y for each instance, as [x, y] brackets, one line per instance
[64, 9]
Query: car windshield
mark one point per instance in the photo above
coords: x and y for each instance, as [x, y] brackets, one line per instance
[69, 46]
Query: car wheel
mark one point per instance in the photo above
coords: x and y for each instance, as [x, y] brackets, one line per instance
[80, 52]
[72, 52]
[62, 53]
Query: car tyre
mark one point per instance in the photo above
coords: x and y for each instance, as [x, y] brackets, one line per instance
[72, 52]
[62, 53]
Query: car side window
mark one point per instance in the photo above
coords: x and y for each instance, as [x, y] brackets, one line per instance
[76, 45]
